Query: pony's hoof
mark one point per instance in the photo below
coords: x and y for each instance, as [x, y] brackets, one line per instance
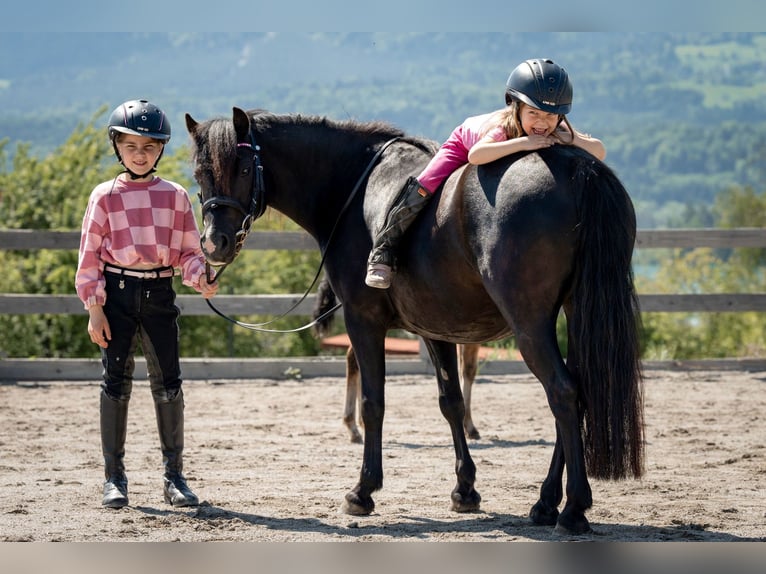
[543, 515]
[354, 505]
[472, 433]
[465, 503]
[571, 524]
[580, 530]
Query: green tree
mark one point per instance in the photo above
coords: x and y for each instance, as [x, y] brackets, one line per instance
[701, 335]
[51, 193]
[48, 193]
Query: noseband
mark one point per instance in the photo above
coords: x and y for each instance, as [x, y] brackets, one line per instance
[257, 197]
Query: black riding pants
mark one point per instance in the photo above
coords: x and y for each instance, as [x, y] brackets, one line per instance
[141, 310]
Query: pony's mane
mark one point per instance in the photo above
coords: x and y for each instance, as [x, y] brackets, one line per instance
[219, 137]
[372, 128]
[375, 129]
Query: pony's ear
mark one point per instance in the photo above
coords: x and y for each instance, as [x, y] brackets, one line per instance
[241, 124]
[191, 124]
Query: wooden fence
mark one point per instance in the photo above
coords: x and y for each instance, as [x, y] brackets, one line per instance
[225, 368]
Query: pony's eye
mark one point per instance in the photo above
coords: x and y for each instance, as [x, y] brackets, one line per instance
[246, 171]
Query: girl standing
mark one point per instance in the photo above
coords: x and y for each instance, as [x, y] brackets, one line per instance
[137, 230]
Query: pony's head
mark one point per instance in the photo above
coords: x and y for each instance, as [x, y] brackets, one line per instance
[228, 170]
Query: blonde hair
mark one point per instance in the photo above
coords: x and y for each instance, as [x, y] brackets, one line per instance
[509, 118]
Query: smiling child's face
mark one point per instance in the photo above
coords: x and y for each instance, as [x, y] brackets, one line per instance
[139, 153]
[537, 122]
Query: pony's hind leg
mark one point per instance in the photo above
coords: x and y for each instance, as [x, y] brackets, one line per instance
[546, 510]
[353, 396]
[468, 363]
[464, 497]
[540, 350]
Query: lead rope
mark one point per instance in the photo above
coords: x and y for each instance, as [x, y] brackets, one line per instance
[258, 326]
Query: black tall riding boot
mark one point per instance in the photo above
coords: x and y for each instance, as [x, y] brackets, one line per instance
[170, 423]
[114, 427]
[411, 200]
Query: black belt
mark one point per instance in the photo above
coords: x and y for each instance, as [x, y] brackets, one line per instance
[149, 274]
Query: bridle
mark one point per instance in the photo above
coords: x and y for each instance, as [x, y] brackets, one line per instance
[256, 208]
[257, 201]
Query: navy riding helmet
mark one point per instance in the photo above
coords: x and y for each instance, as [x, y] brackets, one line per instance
[140, 118]
[542, 84]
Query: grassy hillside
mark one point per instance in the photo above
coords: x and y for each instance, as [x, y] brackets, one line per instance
[683, 115]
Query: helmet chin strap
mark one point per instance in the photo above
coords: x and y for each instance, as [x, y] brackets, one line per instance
[134, 175]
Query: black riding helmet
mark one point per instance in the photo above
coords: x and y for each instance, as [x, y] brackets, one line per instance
[140, 118]
[542, 84]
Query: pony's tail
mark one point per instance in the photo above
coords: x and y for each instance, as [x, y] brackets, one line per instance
[325, 301]
[604, 344]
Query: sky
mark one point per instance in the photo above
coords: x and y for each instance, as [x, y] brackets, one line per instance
[387, 15]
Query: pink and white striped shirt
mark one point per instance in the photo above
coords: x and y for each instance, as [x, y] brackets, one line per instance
[137, 225]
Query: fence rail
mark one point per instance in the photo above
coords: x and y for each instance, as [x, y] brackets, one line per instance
[645, 239]
[25, 304]
[238, 305]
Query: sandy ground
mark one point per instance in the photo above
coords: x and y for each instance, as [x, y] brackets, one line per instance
[271, 461]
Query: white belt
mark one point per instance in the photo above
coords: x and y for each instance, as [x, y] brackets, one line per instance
[150, 274]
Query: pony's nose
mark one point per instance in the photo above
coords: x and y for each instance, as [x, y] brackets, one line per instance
[224, 244]
[215, 245]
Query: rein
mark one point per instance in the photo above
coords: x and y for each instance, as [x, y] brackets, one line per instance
[257, 208]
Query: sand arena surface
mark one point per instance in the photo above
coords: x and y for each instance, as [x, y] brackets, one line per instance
[271, 461]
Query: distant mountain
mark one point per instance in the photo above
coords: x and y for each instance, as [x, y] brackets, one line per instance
[636, 91]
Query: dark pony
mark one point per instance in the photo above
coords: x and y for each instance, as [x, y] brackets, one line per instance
[501, 250]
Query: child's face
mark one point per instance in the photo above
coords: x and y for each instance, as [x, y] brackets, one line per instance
[139, 153]
[537, 122]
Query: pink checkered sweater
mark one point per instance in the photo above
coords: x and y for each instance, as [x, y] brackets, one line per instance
[137, 225]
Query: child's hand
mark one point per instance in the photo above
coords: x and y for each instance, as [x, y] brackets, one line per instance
[98, 327]
[208, 290]
[538, 142]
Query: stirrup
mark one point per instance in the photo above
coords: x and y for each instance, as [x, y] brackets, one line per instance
[378, 276]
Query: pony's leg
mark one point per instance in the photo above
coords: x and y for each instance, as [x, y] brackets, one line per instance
[370, 353]
[465, 498]
[467, 364]
[353, 384]
[551, 492]
[539, 348]
[546, 510]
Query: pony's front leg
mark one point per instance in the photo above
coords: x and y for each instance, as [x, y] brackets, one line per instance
[464, 497]
[371, 361]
